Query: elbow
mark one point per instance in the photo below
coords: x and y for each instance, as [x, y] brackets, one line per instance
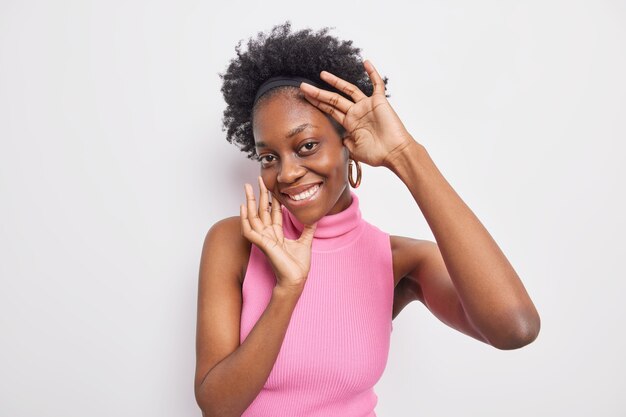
[210, 406]
[519, 333]
[208, 411]
[204, 403]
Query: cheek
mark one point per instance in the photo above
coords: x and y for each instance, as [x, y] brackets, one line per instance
[269, 179]
[334, 164]
[343, 171]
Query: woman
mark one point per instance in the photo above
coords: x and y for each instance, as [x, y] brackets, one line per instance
[297, 293]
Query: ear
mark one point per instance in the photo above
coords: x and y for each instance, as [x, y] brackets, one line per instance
[348, 143]
[346, 151]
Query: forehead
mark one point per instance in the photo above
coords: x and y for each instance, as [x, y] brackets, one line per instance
[285, 115]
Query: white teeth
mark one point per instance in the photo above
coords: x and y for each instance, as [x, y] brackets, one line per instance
[305, 194]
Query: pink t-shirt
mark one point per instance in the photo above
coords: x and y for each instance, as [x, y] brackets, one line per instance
[337, 343]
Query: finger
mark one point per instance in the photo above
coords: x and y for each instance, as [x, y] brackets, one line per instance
[307, 233]
[328, 109]
[246, 229]
[253, 215]
[249, 233]
[343, 86]
[277, 218]
[277, 215]
[333, 99]
[264, 207]
[379, 84]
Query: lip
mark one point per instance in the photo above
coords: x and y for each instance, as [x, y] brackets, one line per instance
[299, 189]
[293, 203]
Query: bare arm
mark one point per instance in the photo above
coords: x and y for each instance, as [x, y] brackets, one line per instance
[426, 279]
[466, 258]
[230, 375]
[235, 381]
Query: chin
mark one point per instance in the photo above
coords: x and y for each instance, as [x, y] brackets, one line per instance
[308, 218]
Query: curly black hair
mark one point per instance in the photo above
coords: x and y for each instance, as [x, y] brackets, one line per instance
[304, 53]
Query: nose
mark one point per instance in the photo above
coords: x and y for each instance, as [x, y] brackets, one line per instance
[290, 170]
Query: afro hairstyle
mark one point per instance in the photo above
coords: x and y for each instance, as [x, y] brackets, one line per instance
[303, 53]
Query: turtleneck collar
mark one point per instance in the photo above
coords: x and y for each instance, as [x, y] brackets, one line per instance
[333, 231]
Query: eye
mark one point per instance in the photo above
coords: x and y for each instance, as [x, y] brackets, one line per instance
[309, 146]
[263, 159]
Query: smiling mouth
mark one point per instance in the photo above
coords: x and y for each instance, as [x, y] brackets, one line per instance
[308, 194]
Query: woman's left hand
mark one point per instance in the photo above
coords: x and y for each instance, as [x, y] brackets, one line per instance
[374, 132]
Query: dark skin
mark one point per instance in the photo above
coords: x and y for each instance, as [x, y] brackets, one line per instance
[463, 277]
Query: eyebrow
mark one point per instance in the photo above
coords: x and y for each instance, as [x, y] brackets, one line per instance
[289, 134]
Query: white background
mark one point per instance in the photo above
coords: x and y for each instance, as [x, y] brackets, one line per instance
[113, 166]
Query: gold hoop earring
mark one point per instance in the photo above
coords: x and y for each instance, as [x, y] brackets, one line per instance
[358, 173]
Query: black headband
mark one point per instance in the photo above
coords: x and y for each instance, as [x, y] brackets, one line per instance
[279, 82]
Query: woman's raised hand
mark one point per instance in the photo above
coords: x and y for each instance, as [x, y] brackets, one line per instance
[290, 259]
[374, 132]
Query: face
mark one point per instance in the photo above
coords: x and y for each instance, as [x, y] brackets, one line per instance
[300, 150]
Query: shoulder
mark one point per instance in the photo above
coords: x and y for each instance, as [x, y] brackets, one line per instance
[408, 253]
[226, 242]
[226, 225]
[402, 244]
